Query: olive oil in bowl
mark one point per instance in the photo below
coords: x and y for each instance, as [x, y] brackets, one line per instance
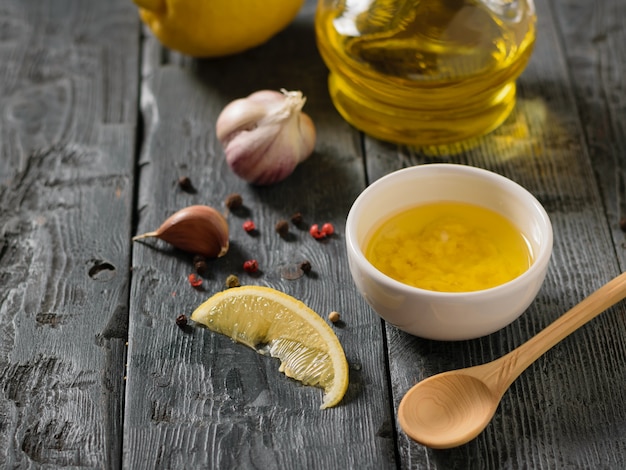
[449, 247]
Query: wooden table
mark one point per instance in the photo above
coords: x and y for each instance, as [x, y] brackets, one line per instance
[98, 123]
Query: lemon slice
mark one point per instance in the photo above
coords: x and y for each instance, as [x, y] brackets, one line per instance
[276, 324]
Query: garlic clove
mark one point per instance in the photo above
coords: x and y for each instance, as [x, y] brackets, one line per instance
[239, 115]
[266, 135]
[196, 229]
[248, 155]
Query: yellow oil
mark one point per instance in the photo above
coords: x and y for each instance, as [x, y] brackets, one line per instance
[449, 247]
[425, 72]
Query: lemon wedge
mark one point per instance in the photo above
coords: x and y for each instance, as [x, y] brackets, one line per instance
[276, 324]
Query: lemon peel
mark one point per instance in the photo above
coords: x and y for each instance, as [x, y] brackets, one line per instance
[216, 28]
[276, 324]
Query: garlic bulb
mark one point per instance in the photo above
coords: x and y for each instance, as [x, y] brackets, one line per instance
[200, 230]
[266, 135]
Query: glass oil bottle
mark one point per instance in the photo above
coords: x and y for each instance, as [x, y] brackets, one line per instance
[425, 72]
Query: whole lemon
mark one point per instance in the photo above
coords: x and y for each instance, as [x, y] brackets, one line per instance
[214, 28]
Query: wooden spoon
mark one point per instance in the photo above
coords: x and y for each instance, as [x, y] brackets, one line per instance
[451, 408]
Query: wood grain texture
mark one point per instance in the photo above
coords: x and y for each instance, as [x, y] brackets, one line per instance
[79, 85]
[68, 88]
[194, 398]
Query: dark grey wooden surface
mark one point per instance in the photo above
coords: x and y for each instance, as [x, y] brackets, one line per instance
[99, 121]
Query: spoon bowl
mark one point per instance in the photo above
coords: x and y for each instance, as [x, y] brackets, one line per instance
[435, 408]
[452, 408]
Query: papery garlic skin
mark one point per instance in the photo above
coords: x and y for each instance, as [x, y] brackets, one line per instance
[266, 135]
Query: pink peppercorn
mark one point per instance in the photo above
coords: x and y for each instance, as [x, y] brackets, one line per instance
[249, 226]
[316, 232]
[251, 266]
[194, 280]
[328, 229]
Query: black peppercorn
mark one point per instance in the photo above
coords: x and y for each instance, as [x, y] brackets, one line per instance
[305, 266]
[181, 320]
[282, 228]
[297, 218]
[184, 182]
[199, 264]
[234, 201]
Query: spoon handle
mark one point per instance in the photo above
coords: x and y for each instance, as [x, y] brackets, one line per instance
[523, 356]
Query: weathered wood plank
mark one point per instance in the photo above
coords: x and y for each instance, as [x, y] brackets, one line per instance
[68, 89]
[593, 35]
[193, 397]
[566, 410]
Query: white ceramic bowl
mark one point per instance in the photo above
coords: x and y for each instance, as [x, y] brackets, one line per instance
[447, 315]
